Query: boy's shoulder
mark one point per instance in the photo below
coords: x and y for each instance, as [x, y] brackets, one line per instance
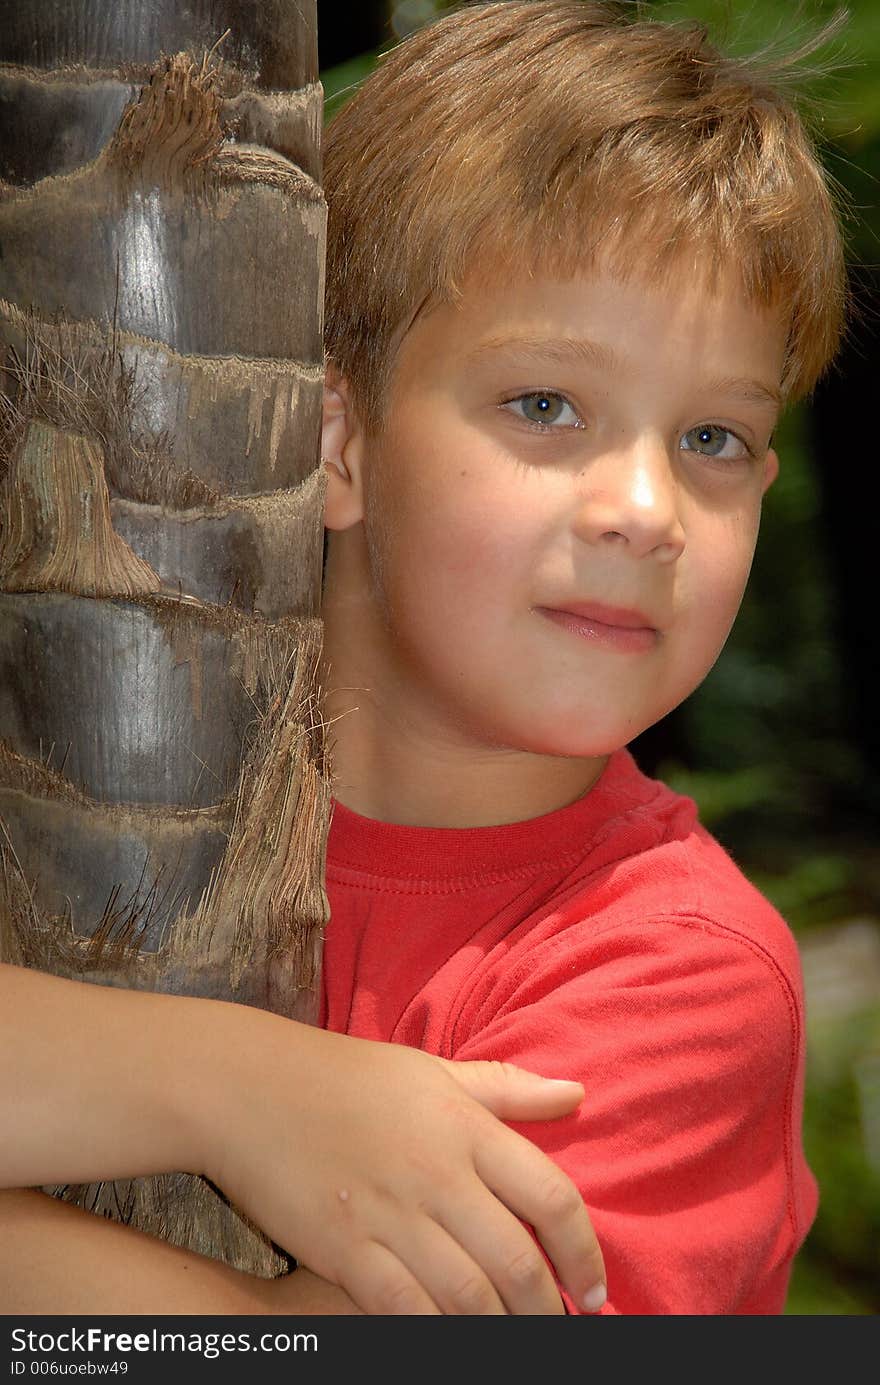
[655, 861]
[651, 928]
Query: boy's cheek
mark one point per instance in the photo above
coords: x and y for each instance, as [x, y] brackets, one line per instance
[471, 538]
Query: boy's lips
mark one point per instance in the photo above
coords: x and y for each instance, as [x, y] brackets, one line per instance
[614, 627]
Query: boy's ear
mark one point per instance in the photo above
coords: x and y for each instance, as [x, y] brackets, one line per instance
[341, 454]
[771, 469]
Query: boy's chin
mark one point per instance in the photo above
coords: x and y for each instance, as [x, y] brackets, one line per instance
[583, 741]
[576, 746]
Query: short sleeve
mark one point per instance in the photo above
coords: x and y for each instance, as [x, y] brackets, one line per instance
[687, 1037]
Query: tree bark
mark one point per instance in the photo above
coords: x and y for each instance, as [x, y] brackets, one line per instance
[164, 799]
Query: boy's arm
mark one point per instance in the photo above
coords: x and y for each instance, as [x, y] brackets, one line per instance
[380, 1167]
[58, 1259]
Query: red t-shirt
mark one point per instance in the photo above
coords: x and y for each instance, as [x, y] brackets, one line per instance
[613, 942]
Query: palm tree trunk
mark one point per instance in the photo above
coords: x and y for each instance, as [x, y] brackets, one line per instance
[163, 793]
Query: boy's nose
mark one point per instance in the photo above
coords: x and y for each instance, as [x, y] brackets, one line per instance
[631, 499]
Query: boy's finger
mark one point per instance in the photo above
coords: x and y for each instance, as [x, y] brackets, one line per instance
[495, 1240]
[382, 1285]
[458, 1284]
[513, 1093]
[532, 1187]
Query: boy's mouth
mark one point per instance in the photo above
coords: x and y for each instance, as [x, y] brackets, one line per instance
[614, 627]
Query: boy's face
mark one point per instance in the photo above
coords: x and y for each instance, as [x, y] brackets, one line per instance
[556, 522]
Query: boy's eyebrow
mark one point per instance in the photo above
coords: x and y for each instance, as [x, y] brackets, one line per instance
[755, 391]
[562, 349]
[566, 349]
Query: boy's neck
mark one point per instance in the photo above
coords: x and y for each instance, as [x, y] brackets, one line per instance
[392, 774]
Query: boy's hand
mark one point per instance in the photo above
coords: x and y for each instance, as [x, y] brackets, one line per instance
[386, 1171]
[389, 1173]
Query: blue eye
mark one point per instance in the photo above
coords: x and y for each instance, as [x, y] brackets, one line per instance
[544, 407]
[712, 440]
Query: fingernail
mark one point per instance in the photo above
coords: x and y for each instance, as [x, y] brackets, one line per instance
[595, 1297]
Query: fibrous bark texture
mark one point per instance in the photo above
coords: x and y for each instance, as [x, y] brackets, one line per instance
[164, 795]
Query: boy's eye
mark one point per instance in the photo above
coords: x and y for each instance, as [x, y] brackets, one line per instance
[714, 441]
[543, 406]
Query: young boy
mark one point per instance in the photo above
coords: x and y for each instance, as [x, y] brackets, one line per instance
[577, 263]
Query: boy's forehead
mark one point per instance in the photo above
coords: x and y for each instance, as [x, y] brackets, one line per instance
[604, 320]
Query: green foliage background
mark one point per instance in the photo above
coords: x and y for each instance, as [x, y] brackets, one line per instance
[764, 746]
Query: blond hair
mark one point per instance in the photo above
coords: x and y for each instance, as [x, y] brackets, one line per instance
[535, 133]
